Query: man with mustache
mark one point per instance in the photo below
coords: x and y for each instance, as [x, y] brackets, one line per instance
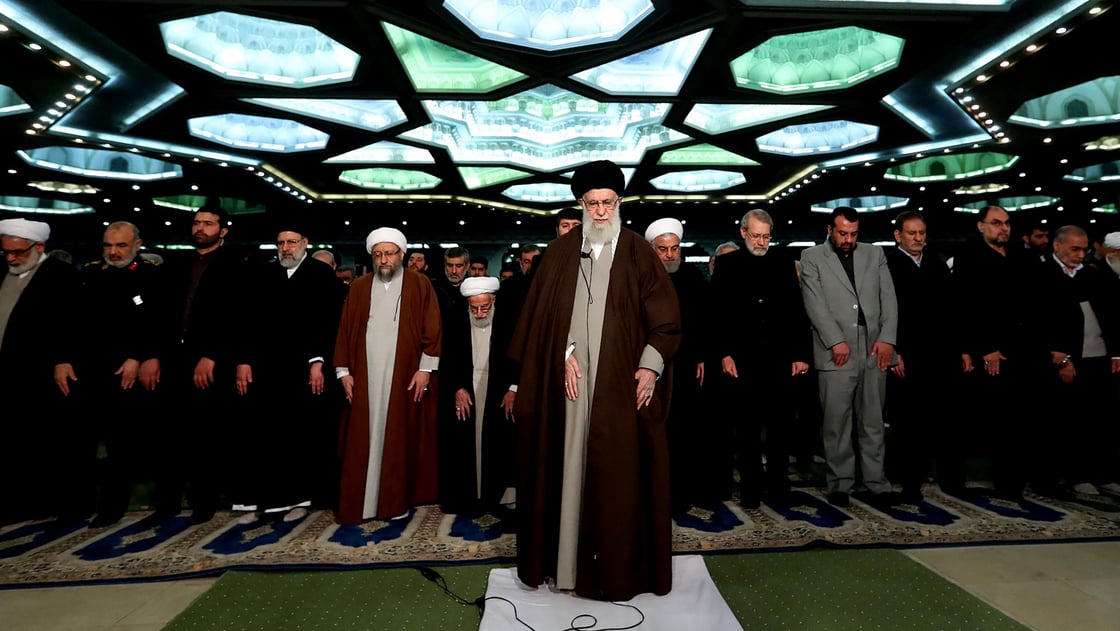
[598, 327]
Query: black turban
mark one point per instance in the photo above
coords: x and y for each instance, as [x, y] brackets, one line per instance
[291, 220]
[598, 174]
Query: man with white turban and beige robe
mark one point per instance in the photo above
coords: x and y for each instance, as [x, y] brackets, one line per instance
[388, 345]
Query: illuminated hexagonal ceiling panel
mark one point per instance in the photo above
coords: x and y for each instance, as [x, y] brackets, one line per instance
[435, 67]
[480, 177]
[953, 166]
[102, 163]
[1094, 173]
[718, 118]
[371, 115]
[1108, 209]
[1089, 103]
[546, 128]
[550, 24]
[259, 50]
[865, 204]
[190, 203]
[1104, 143]
[704, 154]
[1010, 204]
[693, 181]
[827, 137]
[658, 71]
[816, 61]
[257, 132]
[67, 188]
[982, 189]
[384, 152]
[10, 102]
[40, 206]
[540, 192]
[390, 179]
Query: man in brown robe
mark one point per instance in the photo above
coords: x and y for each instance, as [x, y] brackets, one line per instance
[387, 347]
[599, 326]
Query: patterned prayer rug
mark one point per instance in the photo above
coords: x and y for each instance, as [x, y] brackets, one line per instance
[43, 553]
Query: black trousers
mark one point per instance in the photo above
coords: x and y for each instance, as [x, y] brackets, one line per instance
[762, 402]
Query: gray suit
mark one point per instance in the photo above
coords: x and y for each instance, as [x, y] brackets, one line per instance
[833, 307]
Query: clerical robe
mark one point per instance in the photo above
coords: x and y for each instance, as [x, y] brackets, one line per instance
[617, 456]
[388, 443]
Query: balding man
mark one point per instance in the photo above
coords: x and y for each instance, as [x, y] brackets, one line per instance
[43, 439]
[388, 344]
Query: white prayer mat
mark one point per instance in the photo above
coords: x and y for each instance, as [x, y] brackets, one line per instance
[694, 603]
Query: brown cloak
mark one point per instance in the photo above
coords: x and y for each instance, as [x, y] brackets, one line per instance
[625, 532]
[409, 469]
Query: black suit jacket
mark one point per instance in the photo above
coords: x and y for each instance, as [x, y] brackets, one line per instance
[123, 315]
[927, 330]
[1058, 319]
[40, 331]
[218, 306]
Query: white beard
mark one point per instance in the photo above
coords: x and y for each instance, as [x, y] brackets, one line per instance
[758, 250]
[482, 323]
[1113, 262]
[672, 266]
[598, 234]
[33, 258]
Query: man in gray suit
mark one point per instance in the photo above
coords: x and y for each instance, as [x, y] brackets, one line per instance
[849, 297]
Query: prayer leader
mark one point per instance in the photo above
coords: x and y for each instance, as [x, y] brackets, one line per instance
[388, 344]
[599, 326]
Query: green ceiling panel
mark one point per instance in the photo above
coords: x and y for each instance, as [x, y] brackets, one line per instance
[435, 67]
[390, 179]
[704, 154]
[481, 177]
[1090, 103]
[190, 203]
[952, 166]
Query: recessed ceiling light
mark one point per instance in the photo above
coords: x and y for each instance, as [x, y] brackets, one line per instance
[1004, 63]
[1032, 48]
[1047, 140]
[982, 78]
[1062, 30]
[64, 63]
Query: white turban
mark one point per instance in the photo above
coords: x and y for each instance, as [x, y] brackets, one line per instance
[386, 235]
[476, 285]
[1112, 240]
[31, 230]
[666, 225]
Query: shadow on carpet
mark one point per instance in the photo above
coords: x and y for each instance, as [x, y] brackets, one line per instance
[36, 554]
[819, 589]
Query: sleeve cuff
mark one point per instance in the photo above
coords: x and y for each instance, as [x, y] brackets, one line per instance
[513, 388]
[428, 363]
[341, 371]
[652, 360]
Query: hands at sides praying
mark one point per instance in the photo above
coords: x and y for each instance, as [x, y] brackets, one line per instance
[883, 354]
[991, 362]
[840, 354]
[900, 368]
[204, 373]
[419, 385]
[646, 379]
[798, 368]
[348, 387]
[463, 404]
[244, 378]
[572, 374]
[728, 365]
[700, 372]
[63, 375]
[149, 373]
[128, 371]
[966, 362]
[316, 379]
[507, 404]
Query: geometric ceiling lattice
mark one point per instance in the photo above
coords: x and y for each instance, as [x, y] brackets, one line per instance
[1108, 209]
[362, 114]
[658, 71]
[481, 177]
[1094, 173]
[191, 203]
[703, 180]
[1089, 103]
[101, 163]
[390, 179]
[257, 132]
[550, 24]
[384, 152]
[982, 189]
[865, 204]
[40, 206]
[951, 167]
[10, 102]
[541, 192]
[1010, 204]
[704, 154]
[826, 137]
[435, 67]
[815, 61]
[259, 50]
[718, 118]
[546, 128]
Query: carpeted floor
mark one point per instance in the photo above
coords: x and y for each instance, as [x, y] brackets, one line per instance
[819, 589]
[38, 554]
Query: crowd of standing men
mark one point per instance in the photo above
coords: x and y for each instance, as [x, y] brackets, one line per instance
[279, 387]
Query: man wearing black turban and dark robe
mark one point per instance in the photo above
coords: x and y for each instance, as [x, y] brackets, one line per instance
[600, 324]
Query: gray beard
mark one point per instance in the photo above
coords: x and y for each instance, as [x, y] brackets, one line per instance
[601, 234]
[672, 266]
[33, 258]
[1114, 263]
[124, 263]
[482, 323]
[757, 252]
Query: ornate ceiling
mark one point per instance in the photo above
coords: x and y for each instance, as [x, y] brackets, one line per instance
[462, 120]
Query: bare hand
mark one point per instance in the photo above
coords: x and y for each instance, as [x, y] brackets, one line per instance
[799, 368]
[149, 373]
[840, 354]
[991, 362]
[900, 367]
[63, 375]
[883, 354]
[316, 378]
[1067, 373]
[700, 372]
[572, 374]
[348, 387]
[204, 373]
[728, 365]
[966, 362]
[646, 379]
[463, 404]
[244, 378]
[419, 383]
[1115, 365]
[507, 404]
[128, 371]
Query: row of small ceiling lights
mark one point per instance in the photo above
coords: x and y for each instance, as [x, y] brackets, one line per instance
[976, 110]
[87, 83]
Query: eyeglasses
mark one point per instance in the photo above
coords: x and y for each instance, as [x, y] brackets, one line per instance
[758, 237]
[607, 204]
[291, 243]
[481, 308]
[18, 253]
[996, 223]
[385, 255]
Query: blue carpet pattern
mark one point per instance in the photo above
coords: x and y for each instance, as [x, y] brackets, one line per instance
[48, 553]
